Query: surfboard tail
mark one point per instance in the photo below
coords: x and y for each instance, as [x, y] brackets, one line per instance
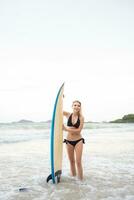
[57, 177]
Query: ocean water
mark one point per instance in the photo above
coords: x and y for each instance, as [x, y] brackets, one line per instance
[108, 164]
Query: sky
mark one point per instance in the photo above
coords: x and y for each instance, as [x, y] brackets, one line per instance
[87, 44]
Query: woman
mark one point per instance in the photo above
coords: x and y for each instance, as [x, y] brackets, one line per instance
[74, 141]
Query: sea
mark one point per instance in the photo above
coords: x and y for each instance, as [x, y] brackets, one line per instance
[108, 163]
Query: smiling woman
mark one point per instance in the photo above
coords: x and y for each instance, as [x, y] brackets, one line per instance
[74, 141]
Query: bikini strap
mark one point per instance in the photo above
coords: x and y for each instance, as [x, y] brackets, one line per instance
[83, 140]
[65, 141]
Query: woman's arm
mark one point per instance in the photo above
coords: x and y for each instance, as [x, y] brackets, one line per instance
[66, 114]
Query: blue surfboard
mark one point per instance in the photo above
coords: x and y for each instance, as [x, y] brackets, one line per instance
[56, 138]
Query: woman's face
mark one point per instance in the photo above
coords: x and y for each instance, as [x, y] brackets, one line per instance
[76, 106]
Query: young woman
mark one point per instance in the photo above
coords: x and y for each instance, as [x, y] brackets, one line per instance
[74, 141]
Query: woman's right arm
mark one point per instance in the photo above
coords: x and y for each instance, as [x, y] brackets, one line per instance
[66, 114]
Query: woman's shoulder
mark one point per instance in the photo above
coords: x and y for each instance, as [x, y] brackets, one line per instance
[81, 117]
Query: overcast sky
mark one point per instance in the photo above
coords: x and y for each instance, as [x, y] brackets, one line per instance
[87, 44]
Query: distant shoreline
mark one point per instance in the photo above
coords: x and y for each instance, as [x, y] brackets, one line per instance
[24, 121]
[125, 119]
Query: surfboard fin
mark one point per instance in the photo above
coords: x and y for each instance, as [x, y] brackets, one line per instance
[49, 178]
[57, 174]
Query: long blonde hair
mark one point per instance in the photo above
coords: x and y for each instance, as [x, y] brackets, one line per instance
[80, 112]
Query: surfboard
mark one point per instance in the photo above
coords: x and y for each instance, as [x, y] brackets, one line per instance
[56, 138]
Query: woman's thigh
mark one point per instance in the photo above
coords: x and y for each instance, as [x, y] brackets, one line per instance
[78, 151]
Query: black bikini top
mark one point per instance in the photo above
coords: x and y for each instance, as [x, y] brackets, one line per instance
[69, 122]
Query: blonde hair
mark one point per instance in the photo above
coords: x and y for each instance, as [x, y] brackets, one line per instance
[80, 112]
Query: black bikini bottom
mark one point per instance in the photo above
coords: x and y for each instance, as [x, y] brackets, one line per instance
[74, 142]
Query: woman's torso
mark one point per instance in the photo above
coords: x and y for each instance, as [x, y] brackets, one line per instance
[76, 124]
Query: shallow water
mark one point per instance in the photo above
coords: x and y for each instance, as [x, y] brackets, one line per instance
[108, 160]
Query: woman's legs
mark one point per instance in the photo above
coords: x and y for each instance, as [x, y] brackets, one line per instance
[78, 152]
[70, 151]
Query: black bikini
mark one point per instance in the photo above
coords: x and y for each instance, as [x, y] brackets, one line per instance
[69, 122]
[74, 142]
[76, 125]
